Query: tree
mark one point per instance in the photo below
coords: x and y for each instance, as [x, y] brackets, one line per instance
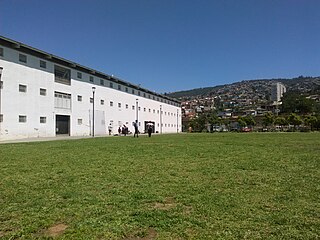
[294, 120]
[281, 121]
[293, 102]
[311, 121]
[268, 119]
[249, 120]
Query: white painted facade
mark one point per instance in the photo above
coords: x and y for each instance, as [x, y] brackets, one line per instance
[21, 111]
[277, 92]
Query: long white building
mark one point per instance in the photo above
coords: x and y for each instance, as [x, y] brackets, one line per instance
[42, 95]
[277, 91]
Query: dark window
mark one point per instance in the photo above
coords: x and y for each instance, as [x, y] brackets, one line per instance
[62, 75]
[1, 52]
[79, 98]
[91, 79]
[111, 104]
[138, 93]
[102, 102]
[22, 118]
[23, 58]
[132, 91]
[43, 119]
[79, 75]
[22, 88]
[1, 117]
[1, 84]
[43, 64]
[111, 84]
[102, 82]
[119, 87]
[127, 89]
[43, 92]
[91, 100]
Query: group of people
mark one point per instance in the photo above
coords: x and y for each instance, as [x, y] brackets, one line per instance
[124, 130]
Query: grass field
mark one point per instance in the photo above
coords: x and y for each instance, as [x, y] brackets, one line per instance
[187, 186]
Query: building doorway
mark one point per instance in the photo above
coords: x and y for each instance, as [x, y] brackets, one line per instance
[148, 124]
[62, 125]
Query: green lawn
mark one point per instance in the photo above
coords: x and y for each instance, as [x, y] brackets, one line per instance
[187, 186]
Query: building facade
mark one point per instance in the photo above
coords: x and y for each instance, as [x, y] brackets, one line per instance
[42, 95]
[277, 92]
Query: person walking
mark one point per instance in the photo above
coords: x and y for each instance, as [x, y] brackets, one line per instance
[136, 129]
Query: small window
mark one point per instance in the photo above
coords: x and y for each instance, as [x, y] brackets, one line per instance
[139, 93]
[127, 89]
[132, 107]
[101, 82]
[119, 105]
[23, 58]
[1, 117]
[119, 87]
[79, 98]
[102, 102]
[154, 111]
[43, 64]
[22, 88]
[22, 118]
[149, 96]
[111, 104]
[144, 94]
[158, 111]
[91, 79]
[79, 121]
[43, 91]
[149, 110]
[1, 52]
[91, 100]
[111, 84]
[127, 106]
[79, 75]
[132, 91]
[144, 109]
[1, 84]
[139, 108]
[153, 97]
[43, 119]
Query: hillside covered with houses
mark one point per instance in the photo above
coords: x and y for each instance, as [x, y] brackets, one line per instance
[251, 104]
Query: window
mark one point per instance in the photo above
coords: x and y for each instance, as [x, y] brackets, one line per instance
[144, 94]
[127, 106]
[1, 84]
[102, 102]
[91, 79]
[23, 58]
[62, 100]
[139, 108]
[22, 88]
[79, 121]
[154, 111]
[153, 97]
[43, 64]
[144, 109]
[149, 110]
[79, 98]
[119, 105]
[111, 104]
[22, 118]
[79, 75]
[132, 91]
[1, 117]
[132, 107]
[119, 87]
[101, 82]
[43, 119]
[158, 111]
[43, 91]
[127, 89]
[111, 85]
[91, 100]
[62, 75]
[149, 96]
[1, 52]
[138, 93]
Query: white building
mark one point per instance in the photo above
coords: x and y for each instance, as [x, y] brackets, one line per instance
[42, 95]
[277, 91]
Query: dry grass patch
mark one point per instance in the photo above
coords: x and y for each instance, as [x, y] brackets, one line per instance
[56, 230]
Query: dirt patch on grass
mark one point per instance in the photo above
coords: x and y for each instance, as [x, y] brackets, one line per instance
[2, 234]
[56, 230]
[149, 235]
[168, 204]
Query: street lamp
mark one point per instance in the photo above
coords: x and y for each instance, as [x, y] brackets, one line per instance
[161, 119]
[137, 106]
[93, 91]
[177, 120]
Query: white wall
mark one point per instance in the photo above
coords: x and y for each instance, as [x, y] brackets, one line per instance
[33, 105]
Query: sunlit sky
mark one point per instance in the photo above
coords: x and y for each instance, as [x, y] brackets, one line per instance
[172, 45]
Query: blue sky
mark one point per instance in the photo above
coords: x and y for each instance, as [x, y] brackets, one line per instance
[170, 45]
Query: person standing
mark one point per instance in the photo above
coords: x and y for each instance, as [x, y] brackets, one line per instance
[110, 129]
[119, 131]
[149, 130]
[136, 129]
